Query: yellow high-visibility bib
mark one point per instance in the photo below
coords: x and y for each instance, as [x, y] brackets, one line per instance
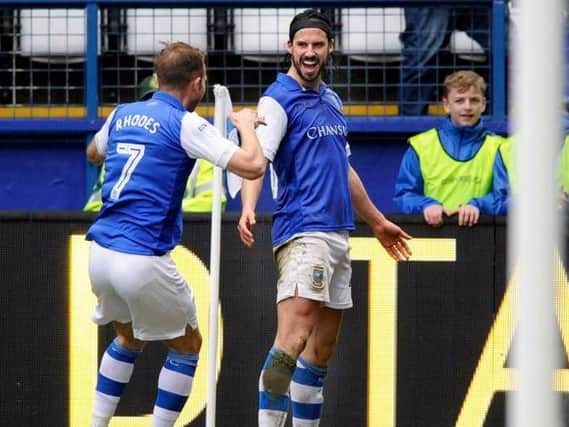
[453, 182]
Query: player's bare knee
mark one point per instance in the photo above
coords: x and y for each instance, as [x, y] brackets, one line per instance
[193, 343]
[196, 341]
[277, 375]
[130, 343]
[125, 336]
[293, 341]
[190, 343]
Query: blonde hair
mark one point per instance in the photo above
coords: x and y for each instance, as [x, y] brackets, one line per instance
[462, 80]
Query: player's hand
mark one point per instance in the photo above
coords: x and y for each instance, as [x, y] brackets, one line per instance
[394, 240]
[245, 227]
[246, 119]
[433, 215]
[468, 215]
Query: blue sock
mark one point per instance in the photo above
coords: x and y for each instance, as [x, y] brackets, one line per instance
[306, 393]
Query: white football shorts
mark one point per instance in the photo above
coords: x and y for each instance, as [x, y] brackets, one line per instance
[145, 290]
[316, 266]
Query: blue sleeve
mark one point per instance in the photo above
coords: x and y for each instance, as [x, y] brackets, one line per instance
[501, 186]
[496, 202]
[409, 186]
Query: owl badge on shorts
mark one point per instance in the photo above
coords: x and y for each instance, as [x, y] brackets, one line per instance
[317, 277]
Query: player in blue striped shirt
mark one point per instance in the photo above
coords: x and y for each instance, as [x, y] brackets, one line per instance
[305, 138]
[149, 149]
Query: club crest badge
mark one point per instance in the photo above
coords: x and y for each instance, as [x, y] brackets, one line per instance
[317, 277]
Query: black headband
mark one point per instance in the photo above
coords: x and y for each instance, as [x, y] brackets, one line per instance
[309, 23]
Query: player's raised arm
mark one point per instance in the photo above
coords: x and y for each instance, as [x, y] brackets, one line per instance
[248, 161]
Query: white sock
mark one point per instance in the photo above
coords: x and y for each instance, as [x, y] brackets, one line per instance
[100, 422]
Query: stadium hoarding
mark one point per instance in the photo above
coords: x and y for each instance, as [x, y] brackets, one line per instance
[426, 343]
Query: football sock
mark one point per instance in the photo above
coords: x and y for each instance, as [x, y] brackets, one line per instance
[174, 386]
[114, 374]
[306, 393]
[274, 383]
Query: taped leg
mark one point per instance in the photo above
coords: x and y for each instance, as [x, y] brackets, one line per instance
[274, 383]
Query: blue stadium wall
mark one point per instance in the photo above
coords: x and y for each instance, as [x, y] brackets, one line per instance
[52, 173]
[425, 345]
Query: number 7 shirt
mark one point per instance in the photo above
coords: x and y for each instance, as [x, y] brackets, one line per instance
[150, 148]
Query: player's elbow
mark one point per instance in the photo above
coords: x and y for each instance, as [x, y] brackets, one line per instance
[93, 155]
[94, 159]
[248, 165]
[255, 169]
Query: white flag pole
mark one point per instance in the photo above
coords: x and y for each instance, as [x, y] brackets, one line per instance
[220, 122]
[534, 236]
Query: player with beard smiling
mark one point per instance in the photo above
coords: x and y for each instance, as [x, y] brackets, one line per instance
[305, 138]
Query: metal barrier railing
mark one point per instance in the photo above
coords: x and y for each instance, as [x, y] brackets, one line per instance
[65, 61]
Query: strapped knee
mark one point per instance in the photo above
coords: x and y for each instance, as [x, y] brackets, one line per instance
[277, 372]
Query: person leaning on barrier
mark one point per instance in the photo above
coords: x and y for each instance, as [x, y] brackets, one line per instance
[198, 196]
[448, 170]
[149, 148]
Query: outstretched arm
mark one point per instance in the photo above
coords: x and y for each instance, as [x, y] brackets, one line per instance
[390, 235]
[270, 137]
[250, 190]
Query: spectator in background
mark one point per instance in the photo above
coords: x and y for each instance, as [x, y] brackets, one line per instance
[505, 180]
[427, 32]
[198, 196]
[448, 170]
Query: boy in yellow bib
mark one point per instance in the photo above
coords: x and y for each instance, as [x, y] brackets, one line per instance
[448, 170]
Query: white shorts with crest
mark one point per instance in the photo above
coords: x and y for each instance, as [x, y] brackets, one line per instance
[145, 290]
[316, 266]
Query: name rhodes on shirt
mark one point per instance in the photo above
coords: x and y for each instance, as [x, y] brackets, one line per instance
[138, 120]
